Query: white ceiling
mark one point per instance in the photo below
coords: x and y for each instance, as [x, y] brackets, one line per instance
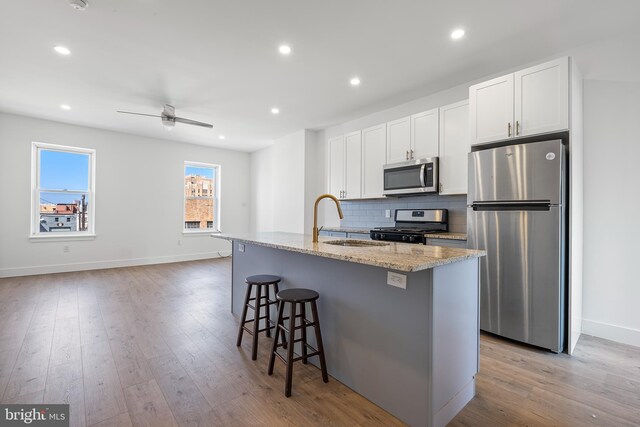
[217, 61]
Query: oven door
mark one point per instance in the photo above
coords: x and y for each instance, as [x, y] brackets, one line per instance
[412, 177]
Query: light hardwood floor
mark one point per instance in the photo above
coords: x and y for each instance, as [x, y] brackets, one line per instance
[155, 346]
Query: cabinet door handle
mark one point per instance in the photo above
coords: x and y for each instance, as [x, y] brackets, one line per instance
[411, 154]
[509, 129]
[517, 127]
[406, 155]
[440, 190]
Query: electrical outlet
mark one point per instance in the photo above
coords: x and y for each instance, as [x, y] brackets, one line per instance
[387, 213]
[396, 279]
[241, 247]
[179, 242]
[66, 248]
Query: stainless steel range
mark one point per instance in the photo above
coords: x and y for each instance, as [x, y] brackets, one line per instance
[412, 225]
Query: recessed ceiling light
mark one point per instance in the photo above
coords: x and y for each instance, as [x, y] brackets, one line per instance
[62, 50]
[275, 110]
[355, 81]
[221, 137]
[65, 107]
[457, 34]
[285, 49]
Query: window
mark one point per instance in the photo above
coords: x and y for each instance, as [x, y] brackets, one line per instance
[62, 190]
[201, 197]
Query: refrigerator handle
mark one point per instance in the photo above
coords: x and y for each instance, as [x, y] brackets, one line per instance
[532, 205]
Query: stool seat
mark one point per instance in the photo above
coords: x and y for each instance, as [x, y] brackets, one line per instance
[297, 295]
[263, 279]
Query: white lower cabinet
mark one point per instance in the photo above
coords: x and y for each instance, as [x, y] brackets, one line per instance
[454, 147]
[333, 234]
[359, 236]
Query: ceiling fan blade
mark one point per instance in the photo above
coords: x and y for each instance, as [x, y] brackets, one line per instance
[138, 114]
[192, 122]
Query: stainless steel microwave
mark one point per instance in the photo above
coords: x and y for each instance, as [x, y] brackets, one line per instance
[411, 177]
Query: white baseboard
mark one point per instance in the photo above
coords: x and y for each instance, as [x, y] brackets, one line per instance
[607, 331]
[98, 265]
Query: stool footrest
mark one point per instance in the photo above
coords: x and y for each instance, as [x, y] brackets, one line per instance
[298, 358]
[253, 307]
[250, 331]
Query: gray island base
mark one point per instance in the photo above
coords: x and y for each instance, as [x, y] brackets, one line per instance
[414, 352]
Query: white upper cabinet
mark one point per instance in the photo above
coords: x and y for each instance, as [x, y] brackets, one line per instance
[399, 140]
[336, 166]
[542, 98]
[374, 143]
[353, 165]
[424, 134]
[491, 105]
[454, 147]
[528, 102]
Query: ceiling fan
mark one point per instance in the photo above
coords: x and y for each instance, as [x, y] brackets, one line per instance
[169, 118]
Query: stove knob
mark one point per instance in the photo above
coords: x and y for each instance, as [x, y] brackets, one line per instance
[405, 238]
[377, 236]
[412, 239]
[382, 236]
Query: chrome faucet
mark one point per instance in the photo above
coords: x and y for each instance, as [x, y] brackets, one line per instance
[315, 214]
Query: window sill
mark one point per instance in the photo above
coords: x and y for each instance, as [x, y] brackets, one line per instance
[59, 238]
[201, 232]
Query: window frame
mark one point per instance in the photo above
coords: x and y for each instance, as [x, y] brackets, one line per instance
[217, 223]
[36, 148]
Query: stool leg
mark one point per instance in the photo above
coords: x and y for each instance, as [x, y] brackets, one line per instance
[267, 308]
[316, 321]
[274, 347]
[303, 313]
[292, 339]
[256, 323]
[284, 339]
[243, 318]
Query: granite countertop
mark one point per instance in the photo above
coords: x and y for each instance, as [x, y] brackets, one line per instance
[405, 257]
[444, 235]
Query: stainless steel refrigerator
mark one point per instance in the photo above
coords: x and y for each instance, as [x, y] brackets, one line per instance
[516, 212]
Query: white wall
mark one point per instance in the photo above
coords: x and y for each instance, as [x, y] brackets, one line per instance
[278, 185]
[286, 178]
[139, 199]
[612, 206]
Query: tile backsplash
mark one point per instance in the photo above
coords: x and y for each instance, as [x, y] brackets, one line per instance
[371, 213]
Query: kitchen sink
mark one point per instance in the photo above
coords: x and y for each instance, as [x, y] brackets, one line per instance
[355, 243]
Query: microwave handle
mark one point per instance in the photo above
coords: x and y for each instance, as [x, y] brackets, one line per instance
[424, 165]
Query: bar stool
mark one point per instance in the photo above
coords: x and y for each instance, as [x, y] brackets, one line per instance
[261, 282]
[295, 297]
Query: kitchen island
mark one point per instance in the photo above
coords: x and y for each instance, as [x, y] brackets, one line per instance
[411, 348]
